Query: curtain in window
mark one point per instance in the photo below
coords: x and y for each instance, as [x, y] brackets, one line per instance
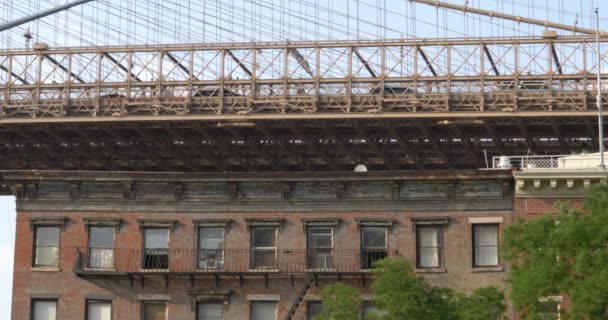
[263, 310]
[99, 311]
[210, 311]
[429, 247]
[45, 310]
[486, 245]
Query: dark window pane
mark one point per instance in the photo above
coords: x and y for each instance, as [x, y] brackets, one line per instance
[264, 258]
[156, 238]
[154, 311]
[313, 308]
[47, 236]
[101, 237]
[264, 237]
[374, 237]
[485, 242]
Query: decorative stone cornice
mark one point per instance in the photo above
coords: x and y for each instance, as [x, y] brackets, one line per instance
[555, 183]
[211, 296]
[320, 222]
[217, 223]
[430, 221]
[264, 222]
[374, 222]
[67, 191]
[157, 223]
[102, 222]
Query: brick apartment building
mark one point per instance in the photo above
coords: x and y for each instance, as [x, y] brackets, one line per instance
[99, 245]
[95, 245]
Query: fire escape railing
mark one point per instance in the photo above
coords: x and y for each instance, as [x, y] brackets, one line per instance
[188, 261]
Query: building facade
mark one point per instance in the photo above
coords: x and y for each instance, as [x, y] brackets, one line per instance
[93, 245]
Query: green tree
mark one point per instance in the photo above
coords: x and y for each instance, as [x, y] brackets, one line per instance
[483, 304]
[562, 254]
[403, 296]
[340, 302]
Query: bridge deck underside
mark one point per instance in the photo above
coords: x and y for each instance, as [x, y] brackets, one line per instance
[289, 145]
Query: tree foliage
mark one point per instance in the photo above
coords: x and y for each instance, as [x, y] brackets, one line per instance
[562, 254]
[340, 302]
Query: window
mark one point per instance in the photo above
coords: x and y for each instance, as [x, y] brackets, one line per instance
[313, 308]
[156, 248]
[373, 245]
[320, 247]
[370, 311]
[264, 248]
[211, 248]
[101, 247]
[44, 310]
[262, 310]
[209, 311]
[485, 245]
[549, 308]
[47, 247]
[99, 310]
[154, 311]
[429, 246]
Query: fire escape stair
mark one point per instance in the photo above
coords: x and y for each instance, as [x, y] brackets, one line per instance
[299, 298]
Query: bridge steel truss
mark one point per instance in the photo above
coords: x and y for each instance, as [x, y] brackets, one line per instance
[393, 105]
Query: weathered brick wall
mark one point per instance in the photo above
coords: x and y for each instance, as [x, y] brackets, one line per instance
[126, 304]
[527, 208]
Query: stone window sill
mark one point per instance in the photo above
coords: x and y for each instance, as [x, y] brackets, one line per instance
[45, 269]
[431, 270]
[488, 269]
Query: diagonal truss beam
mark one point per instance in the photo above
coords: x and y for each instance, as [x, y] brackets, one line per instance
[562, 142]
[64, 69]
[558, 65]
[422, 128]
[524, 132]
[5, 69]
[591, 134]
[203, 131]
[178, 64]
[388, 162]
[467, 145]
[491, 60]
[496, 139]
[301, 61]
[261, 128]
[313, 147]
[121, 67]
[427, 61]
[365, 63]
[388, 126]
[342, 145]
[196, 151]
[240, 63]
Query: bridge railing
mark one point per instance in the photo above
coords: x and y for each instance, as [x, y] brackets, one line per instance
[581, 161]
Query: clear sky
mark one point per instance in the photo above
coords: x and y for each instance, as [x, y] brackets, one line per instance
[7, 240]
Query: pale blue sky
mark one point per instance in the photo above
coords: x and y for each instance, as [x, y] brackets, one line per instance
[7, 240]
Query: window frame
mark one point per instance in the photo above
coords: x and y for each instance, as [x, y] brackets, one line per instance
[33, 306]
[143, 256]
[88, 301]
[308, 303]
[474, 245]
[275, 248]
[142, 307]
[199, 303]
[440, 248]
[89, 247]
[309, 249]
[363, 249]
[199, 249]
[35, 245]
[252, 302]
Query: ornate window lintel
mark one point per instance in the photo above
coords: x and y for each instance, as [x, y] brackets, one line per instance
[102, 222]
[264, 222]
[47, 221]
[210, 296]
[426, 221]
[320, 222]
[157, 223]
[212, 223]
[374, 222]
